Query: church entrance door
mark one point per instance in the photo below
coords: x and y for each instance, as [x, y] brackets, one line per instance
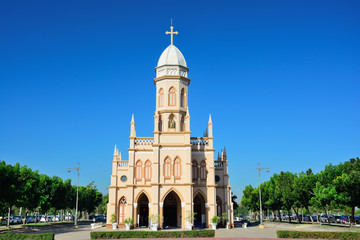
[172, 211]
[143, 211]
[200, 210]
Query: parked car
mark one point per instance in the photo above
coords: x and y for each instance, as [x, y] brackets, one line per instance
[100, 218]
[357, 219]
[10, 221]
[344, 219]
[43, 219]
[17, 220]
[29, 219]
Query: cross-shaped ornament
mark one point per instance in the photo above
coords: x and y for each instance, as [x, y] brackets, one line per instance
[171, 33]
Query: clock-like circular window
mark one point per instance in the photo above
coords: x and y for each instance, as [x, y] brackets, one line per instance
[217, 178]
[123, 178]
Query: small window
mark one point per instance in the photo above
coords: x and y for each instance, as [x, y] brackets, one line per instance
[182, 98]
[217, 178]
[203, 170]
[172, 97]
[167, 168]
[177, 168]
[123, 178]
[194, 171]
[161, 97]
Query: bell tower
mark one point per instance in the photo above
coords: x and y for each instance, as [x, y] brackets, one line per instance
[171, 91]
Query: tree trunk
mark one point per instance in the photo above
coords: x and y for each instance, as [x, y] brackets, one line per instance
[317, 217]
[296, 212]
[280, 217]
[26, 212]
[8, 221]
[272, 214]
[327, 215]
[289, 216]
[352, 217]
[311, 218]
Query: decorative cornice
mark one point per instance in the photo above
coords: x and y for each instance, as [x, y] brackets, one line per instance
[171, 145]
[175, 148]
[132, 150]
[206, 152]
[172, 111]
[144, 152]
[172, 77]
[164, 133]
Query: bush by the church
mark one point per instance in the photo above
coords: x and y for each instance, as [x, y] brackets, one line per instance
[319, 235]
[151, 234]
[26, 236]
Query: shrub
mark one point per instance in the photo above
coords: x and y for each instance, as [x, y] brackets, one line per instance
[319, 235]
[215, 220]
[25, 236]
[113, 218]
[154, 218]
[151, 234]
[129, 220]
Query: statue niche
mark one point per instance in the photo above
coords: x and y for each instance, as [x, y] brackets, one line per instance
[172, 123]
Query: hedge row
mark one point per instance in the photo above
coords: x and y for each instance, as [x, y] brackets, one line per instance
[24, 236]
[319, 235]
[152, 234]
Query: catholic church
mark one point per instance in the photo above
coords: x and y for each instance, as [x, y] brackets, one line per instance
[171, 174]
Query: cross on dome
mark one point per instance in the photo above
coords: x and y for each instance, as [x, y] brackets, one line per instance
[171, 33]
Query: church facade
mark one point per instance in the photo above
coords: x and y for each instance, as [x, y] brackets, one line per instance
[170, 174]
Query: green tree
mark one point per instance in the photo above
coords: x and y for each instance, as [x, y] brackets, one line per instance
[9, 186]
[303, 187]
[348, 185]
[286, 188]
[325, 197]
[28, 185]
[274, 201]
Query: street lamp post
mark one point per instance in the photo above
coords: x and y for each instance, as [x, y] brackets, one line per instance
[77, 193]
[261, 213]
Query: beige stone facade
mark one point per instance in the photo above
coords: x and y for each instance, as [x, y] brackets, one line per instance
[171, 173]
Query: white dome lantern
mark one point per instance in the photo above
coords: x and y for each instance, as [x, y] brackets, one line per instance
[171, 56]
[171, 61]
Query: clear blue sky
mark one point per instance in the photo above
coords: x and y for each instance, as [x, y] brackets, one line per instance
[280, 78]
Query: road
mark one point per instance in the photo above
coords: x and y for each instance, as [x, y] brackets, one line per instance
[67, 232]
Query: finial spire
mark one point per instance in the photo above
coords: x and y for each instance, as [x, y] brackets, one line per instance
[132, 128]
[115, 151]
[171, 32]
[210, 121]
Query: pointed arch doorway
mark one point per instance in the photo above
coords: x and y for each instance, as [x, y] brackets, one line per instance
[172, 211]
[143, 211]
[200, 210]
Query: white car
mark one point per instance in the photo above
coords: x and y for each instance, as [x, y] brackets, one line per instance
[43, 219]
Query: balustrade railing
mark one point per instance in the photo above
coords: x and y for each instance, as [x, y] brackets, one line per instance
[199, 142]
[218, 164]
[144, 141]
[123, 164]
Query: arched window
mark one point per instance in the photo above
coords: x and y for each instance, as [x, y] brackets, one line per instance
[167, 168]
[194, 170]
[182, 98]
[203, 170]
[122, 205]
[219, 206]
[177, 168]
[161, 97]
[172, 97]
[138, 170]
[160, 124]
[182, 124]
[148, 170]
[172, 123]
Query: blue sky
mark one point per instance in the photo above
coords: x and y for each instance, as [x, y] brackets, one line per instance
[280, 78]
